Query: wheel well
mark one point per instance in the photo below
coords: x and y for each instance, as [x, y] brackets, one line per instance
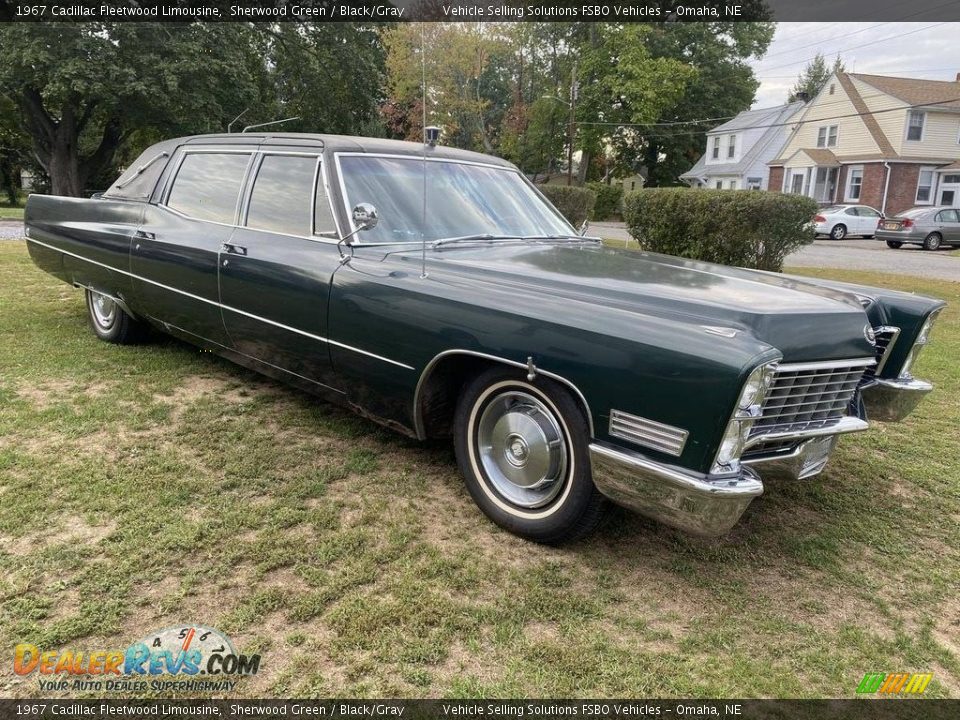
[437, 395]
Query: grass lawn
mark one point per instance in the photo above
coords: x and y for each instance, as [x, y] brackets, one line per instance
[144, 487]
[8, 212]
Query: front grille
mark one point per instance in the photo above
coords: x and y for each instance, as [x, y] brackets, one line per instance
[807, 396]
[886, 337]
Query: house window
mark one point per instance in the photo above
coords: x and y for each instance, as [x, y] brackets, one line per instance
[854, 182]
[825, 184]
[719, 184]
[827, 136]
[915, 122]
[832, 87]
[716, 148]
[733, 184]
[731, 146]
[754, 183]
[925, 186]
[796, 183]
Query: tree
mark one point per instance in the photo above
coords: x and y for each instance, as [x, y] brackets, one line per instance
[14, 145]
[722, 85]
[84, 90]
[814, 76]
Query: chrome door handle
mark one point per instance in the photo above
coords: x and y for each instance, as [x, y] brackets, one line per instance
[145, 235]
[233, 249]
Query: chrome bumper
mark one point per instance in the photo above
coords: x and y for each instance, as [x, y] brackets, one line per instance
[691, 502]
[893, 400]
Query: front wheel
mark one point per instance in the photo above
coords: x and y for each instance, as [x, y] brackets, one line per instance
[894, 244]
[839, 232]
[932, 241]
[522, 448]
[110, 322]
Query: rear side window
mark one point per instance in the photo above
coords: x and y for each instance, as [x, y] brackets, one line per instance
[949, 216]
[207, 186]
[282, 197]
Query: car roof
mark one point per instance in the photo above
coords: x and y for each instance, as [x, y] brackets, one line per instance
[343, 143]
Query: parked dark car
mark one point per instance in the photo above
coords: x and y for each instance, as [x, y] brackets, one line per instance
[929, 227]
[438, 292]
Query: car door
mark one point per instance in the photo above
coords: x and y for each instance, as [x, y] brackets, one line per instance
[868, 220]
[949, 223]
[275, 270]
[851, 219]
[174, 253]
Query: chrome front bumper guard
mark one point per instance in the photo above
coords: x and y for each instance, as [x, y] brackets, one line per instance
[893, 400]
[704, 504]
[685, 500]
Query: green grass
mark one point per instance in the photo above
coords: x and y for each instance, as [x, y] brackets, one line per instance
[142, 487]
[8, 212]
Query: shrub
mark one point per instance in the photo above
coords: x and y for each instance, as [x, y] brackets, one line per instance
[747, 228]
[574, 203]
[609, 200]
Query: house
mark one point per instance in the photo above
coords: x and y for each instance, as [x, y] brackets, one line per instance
[738, 151]
[888, 142]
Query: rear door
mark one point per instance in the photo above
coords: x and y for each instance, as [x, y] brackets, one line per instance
[275, 271]
[174, 253]
[949, 223]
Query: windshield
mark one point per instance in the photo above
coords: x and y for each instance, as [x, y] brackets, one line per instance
[915, 212]
[462, 200]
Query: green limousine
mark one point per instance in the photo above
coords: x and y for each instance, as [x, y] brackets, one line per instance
[439, 293]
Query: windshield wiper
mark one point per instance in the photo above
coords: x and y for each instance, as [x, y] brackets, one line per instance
[488, 237]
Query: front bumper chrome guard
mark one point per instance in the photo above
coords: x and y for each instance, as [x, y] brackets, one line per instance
[893, 400]
[692, 502]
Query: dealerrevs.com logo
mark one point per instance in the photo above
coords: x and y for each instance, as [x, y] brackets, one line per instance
[184, 658]
[894, 683]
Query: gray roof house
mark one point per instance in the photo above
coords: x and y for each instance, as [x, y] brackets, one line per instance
[738, 151]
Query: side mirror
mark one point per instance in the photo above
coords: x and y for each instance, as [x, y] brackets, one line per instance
[583, 227]
[365, 216]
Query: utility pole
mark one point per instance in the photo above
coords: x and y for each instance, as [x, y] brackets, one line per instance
[573, 111]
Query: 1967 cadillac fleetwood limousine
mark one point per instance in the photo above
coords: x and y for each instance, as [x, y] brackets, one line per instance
[438, 292]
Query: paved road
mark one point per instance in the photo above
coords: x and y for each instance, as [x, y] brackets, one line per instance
[10, 230]
[854, 254]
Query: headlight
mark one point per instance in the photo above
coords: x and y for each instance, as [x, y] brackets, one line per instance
[748, 409]
[923, 337]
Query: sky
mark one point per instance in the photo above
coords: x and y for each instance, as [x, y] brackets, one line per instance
[928, 50]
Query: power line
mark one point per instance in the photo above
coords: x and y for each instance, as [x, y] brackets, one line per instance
[782, 124]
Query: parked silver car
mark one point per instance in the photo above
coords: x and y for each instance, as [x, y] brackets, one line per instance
[930, 227]
[838, 221]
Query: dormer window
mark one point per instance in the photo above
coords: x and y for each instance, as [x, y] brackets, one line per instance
[915, 121]
[732, 146]
[716, 148]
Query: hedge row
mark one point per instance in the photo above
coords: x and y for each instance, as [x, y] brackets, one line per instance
[746, 228]
[574, 203]
[609, 203]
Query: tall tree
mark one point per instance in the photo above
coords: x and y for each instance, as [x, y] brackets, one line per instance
[84, 89]
[814, 76]
[722, 85]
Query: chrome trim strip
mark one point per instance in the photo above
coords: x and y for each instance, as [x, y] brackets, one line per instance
[649, 433]
[846, 424]
[140, 171]
[826, 365]
[117, 299]
[895, 335]
[418, 415]
[227, 307]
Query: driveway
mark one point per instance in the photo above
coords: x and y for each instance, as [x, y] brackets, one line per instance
[10, 230]
[854, 254]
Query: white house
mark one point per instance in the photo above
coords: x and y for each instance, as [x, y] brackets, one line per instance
[738, 151]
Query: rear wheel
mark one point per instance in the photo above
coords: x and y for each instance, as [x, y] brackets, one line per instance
[522, 448]
[894, 244]
[839, 231]
[932, 241]
[110, 322]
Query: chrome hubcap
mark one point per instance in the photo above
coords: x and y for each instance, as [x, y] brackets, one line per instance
[522, 449]
[104, 310]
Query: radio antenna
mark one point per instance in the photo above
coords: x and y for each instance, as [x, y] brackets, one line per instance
[423, 102]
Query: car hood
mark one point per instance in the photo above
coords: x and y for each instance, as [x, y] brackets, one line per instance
[802, 320]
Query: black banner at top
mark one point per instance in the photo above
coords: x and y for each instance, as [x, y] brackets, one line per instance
[480, 10]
